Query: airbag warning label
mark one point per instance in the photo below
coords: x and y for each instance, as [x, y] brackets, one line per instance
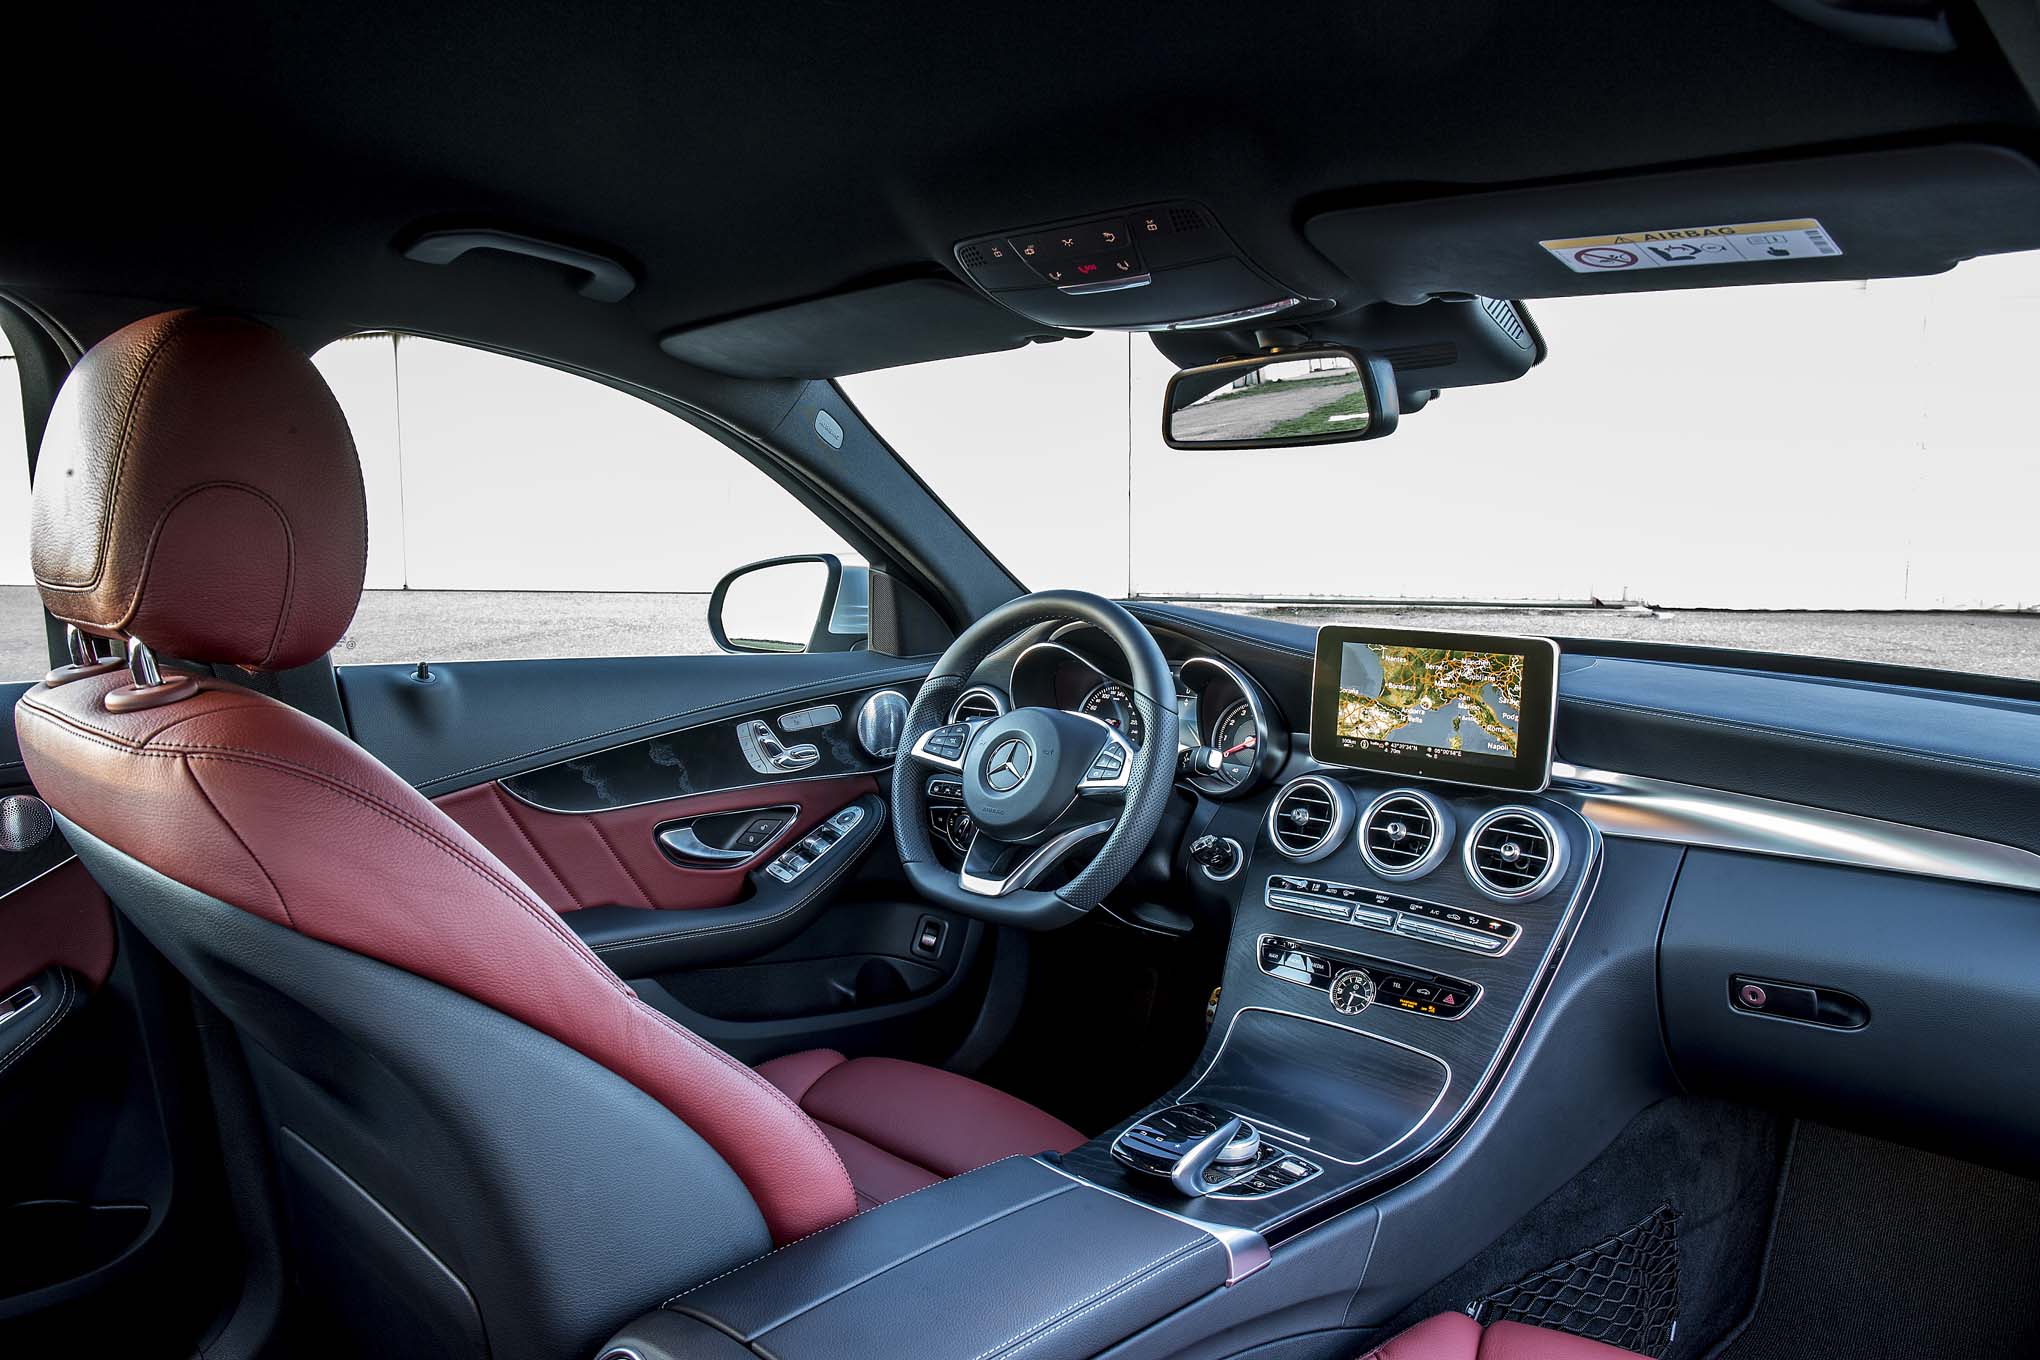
[1801, 238]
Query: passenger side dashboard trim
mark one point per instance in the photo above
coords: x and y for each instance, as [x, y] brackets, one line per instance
[1637, 807]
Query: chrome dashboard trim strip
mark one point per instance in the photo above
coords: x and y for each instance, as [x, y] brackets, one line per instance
[1636, 807]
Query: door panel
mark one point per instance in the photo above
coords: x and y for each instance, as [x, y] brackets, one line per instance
[569, 770]
[579, 860]
[95, 1063]
[478, 720]
[58, 919]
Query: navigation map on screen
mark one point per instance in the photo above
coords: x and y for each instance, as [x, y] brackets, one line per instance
[1440, 700]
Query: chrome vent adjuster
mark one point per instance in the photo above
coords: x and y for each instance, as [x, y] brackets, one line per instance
[1309, 817]
[976, 702]
[1514, 854]
[1405, 834]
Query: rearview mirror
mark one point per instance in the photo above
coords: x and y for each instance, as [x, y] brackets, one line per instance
[1318, 396]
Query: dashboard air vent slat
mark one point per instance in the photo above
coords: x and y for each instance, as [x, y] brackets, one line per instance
[1513, 853]
[975, 703]
[1404, 834]
[1308, 817]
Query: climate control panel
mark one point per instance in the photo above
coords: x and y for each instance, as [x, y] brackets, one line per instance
[1432, 922]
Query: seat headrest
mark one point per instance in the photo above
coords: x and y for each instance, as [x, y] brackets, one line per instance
[198, 489]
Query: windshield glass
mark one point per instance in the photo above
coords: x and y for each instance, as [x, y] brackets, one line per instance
[1834, 469]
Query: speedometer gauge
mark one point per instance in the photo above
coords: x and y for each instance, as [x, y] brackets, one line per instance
[1237, 739]
[1112, 703]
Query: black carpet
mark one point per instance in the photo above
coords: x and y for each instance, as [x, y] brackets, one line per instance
[1881, 1250]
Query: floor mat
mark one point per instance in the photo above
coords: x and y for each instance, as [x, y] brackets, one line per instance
[1881, 1250]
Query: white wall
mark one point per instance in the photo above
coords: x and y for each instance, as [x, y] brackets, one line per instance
[1804, 446]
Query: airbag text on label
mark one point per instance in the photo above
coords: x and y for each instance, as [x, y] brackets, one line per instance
[1801, 238]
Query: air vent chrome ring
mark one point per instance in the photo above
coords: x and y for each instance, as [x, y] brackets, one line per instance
[973, 701]
[1318, 821]
[1405, 833]
[1502, 853]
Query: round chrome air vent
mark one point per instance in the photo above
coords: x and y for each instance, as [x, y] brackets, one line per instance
[1514, 854]
[1309, 817]
[977, 702]
[1405, 834]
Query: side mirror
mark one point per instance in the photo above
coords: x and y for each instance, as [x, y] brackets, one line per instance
[1315, 396]
[811, 603]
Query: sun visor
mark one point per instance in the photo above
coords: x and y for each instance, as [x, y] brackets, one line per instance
[1877, 214]
[885, 326]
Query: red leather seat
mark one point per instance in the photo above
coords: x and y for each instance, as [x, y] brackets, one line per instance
[1455, 1336]
[899, 1126]
[198, 492]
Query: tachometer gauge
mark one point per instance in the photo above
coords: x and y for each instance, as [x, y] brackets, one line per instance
[1237, 739]
[1112, 703]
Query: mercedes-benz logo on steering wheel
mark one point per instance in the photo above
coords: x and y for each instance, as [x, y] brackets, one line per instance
[1007, 766]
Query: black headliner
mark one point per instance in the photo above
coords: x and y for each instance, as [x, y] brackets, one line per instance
[265, 157]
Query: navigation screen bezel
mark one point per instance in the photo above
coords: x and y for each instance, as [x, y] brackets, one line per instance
[1528, 772]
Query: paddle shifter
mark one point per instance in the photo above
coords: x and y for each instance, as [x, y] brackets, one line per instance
[1196, 1148]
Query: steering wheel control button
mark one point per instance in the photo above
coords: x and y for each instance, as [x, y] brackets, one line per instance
[1465, 928]
[1346, 978]
[944, 745]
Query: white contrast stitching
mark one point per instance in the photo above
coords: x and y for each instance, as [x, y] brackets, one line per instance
[49, 1022]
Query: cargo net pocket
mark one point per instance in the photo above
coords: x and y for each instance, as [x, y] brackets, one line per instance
[1624, 1291]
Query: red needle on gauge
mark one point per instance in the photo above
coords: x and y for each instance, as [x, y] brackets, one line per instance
[1235, 750]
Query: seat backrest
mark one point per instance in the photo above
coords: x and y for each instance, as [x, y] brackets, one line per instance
[198, 491]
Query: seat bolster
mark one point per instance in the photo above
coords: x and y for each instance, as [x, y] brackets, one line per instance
[1455, 1336]
[1448, 1336]
[796, 1073]
[934, 1119]
[1520, 1341]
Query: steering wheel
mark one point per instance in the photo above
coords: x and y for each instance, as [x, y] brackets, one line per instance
[1039, 782]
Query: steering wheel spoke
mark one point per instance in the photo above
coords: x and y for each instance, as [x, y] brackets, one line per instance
[994, 868]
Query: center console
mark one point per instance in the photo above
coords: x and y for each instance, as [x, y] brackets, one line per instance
[1390, 941]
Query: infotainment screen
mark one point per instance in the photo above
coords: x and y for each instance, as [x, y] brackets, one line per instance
[1471, 707]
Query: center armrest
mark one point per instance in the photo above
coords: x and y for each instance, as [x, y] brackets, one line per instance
[1034, 1262]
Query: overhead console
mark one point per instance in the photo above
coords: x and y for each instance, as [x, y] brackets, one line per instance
[1162, 266]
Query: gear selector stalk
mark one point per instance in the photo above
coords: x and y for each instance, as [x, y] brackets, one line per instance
[1196, 1148]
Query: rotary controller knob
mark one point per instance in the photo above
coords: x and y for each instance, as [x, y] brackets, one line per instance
[1352, 991]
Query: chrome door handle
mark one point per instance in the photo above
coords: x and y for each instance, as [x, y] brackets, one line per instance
[682, 841]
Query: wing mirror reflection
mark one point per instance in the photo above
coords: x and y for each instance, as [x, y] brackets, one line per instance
[1314, 396]
[810, 603]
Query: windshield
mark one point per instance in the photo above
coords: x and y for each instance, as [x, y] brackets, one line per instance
[1830, 469]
